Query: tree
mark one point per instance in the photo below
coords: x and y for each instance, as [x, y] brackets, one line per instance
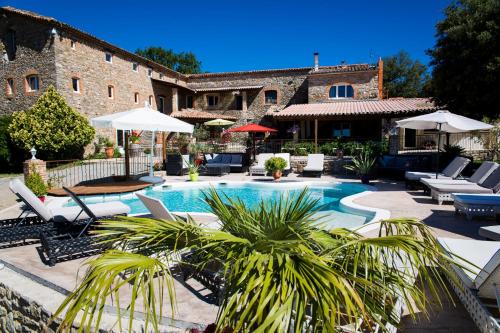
[466, 59]
[404, 77]
[276, 264]
[183, 62]
[52, 127]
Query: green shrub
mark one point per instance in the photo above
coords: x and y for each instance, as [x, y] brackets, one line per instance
[330, 148]
[275, 164]
[11, 157]
[51, 126]
[35, 183]
[299, 148]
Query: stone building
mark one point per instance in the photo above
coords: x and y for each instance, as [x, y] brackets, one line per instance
[99, 78]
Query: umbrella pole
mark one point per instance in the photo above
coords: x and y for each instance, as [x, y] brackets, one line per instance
[151, 173]
[127, 157]
[439, 144]
[253, 139]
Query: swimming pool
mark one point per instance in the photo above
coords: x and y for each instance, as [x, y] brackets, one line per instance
[188, 197]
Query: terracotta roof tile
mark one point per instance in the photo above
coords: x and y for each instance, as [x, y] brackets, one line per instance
[356, 107]
[197, 114]
[343, 69]
[203, 89]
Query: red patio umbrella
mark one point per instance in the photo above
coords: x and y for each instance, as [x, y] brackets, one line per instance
[252, 128]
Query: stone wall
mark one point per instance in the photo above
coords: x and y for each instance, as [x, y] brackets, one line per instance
[365, 85]
[34, 55]
[290, 85]
[19, 314]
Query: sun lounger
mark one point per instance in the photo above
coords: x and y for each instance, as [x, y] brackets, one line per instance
[452, 171]
[286, 157]
[314, 165]
[260, 167]
[477, 177]
[491, 232]
[476, 205]
[68, 242]
[160, 212]
[443, 192]
[477, 287]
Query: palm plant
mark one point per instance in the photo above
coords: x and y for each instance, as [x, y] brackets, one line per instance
[281, 270]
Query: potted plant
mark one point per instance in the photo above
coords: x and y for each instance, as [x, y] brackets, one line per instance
[362, 165]
[147, 151]
[35, 183]
[109, 148]
[276, 165]
[158, 169]
[193, 171]
[134, 139]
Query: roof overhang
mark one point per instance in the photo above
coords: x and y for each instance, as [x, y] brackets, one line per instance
[236, 88]
[190, 114]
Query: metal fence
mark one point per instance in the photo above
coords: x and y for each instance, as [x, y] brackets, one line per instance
[72, 172]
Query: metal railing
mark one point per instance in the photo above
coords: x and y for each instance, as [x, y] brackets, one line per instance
[72, 172]
[427, 142]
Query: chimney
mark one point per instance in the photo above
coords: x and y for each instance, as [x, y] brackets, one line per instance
[316, 61]
[380, 66]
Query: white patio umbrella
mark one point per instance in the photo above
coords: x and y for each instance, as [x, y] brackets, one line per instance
[443, 121]
[144, 119]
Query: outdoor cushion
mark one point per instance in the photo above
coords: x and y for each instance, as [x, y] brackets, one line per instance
[156, 207]
[314, 162]
[483, 254]
[460, 188]
[416, 175]
[69, 214]
[455, 167]
[286, 157]
[217, 159]
[226, 159]
[478, 176]
[236, 159]
[492, 181]
[490, 232]
[23, 191]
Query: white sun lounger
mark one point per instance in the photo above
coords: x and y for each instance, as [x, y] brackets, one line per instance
[477, 177]
[443, 192]
[260, 167]
[286, 157]
[159, 211]
[65, 214]
[490, 232]
[476, 205]
[314, 165]
[477, 287]
[453, 170]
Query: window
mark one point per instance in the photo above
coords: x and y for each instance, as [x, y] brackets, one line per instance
[111, 92]
[10, 86]
[341, 91]
[161, 103]
[150, 72]
[189, 101]
[341, 130]
[410, 140]
[136, 98]
[150, 100]
[109, 57]
[135, 67]
[32, 83]
[271, 97]
[212, 100]
[239, 102]
[120, 137]
[161, 76]
[10, 44]
[73, 44]
[75, 82]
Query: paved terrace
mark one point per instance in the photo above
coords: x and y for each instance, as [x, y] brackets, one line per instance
[27, 274]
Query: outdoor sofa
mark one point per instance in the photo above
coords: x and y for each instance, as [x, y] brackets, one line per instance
[235, 162]
[443, 192]
[314, 166]
[453, 170]
[476, 278]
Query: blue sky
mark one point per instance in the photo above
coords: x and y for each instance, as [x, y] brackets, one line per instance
[241, 35]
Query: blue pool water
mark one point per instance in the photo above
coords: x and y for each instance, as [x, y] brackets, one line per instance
[190, 199]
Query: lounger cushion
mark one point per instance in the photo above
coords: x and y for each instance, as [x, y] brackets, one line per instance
[415, 175]
[492, 181]
[314, 162]
[482, 254]
[444, 181]
[477, 199]
[156, 207]
[22, 190]
[465, 188]
[69, 214]
[490, 232]
[455, 167]
[483, 172]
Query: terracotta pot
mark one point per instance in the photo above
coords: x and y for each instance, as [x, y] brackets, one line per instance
[42, 199]
[109, 152]
[277, 174]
